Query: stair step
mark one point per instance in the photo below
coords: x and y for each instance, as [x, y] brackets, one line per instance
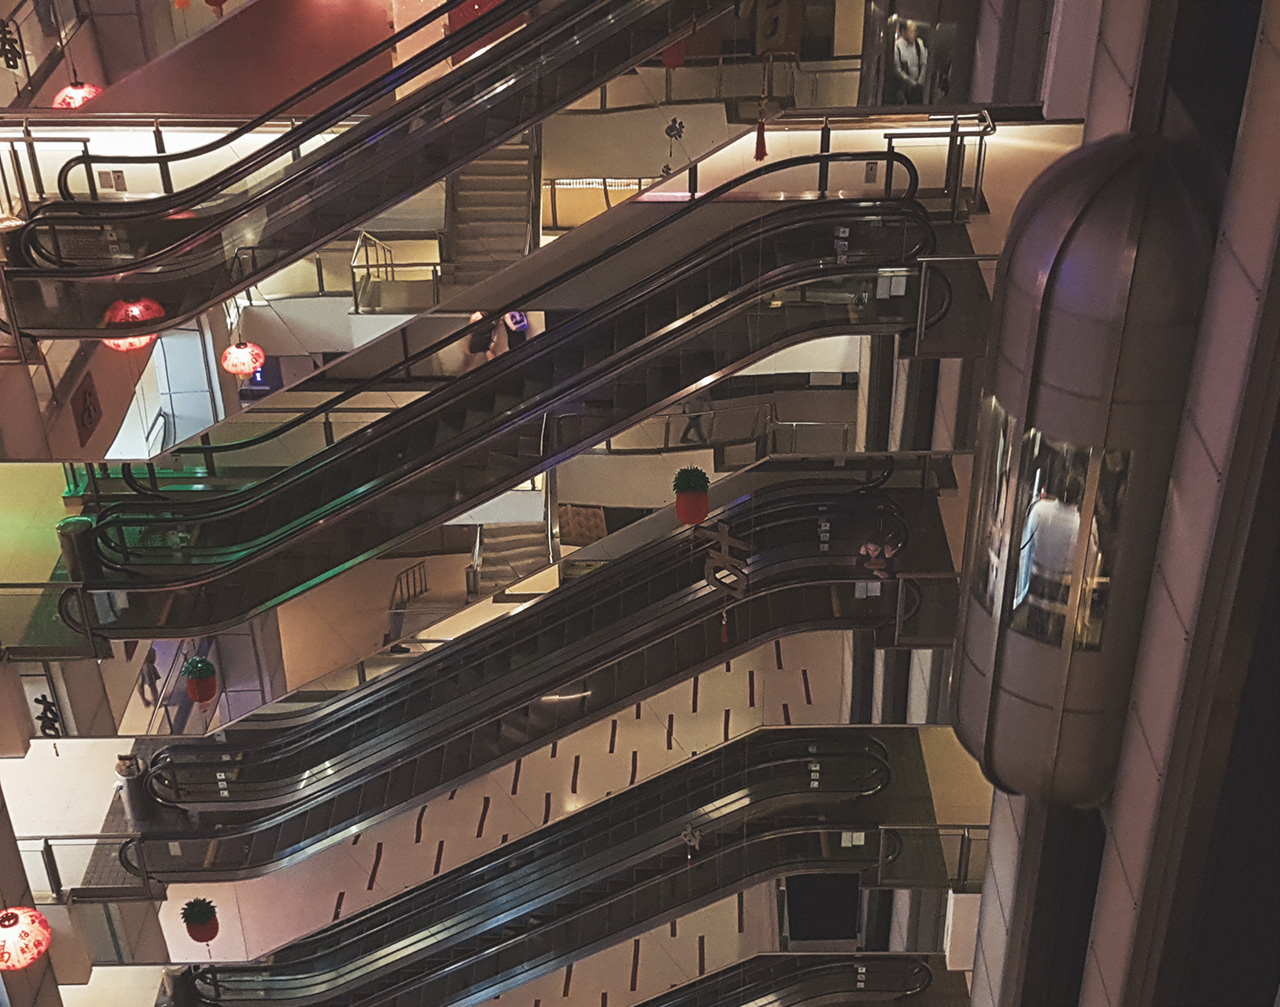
[491, 228]
[504, 169]
[472, 184]
[480, 248]
[490, 206]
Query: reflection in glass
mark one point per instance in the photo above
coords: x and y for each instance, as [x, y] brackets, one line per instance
[1113, 481]
[996, 461]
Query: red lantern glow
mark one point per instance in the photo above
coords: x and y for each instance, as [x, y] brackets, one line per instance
[144, 309]
[75, 94]
[129, 343]
[24, 937]
[243, 359]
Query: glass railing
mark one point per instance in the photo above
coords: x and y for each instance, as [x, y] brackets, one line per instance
[368, 167]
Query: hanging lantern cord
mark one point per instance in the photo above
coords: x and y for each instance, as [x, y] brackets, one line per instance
[62, 44]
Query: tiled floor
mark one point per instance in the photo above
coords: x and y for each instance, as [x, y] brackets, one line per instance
[669, 955]
[797, 681]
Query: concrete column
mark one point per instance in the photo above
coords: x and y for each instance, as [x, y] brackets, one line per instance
[85, 705]
[16, 726]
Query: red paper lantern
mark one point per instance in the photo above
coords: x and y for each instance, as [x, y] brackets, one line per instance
[24, 937]
[130, 313]
[673, 55]
[243, 359]
[75, 94]
[144, 309]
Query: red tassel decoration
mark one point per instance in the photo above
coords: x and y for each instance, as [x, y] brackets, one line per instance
[761, 153]
[724, 627]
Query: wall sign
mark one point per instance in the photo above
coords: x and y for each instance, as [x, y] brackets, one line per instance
[10, 50]
[86, 409]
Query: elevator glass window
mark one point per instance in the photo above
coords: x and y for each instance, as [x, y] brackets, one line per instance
[1051, 489]
[990, 540]
[1113, 481]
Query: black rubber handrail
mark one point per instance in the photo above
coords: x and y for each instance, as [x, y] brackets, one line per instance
[764, 510]
[508, 50]
[285, 741]
[403, 744]
[466, 332]
[118, 515]
[279, 110]
[742, 780]
[787, 979]
[54, 213]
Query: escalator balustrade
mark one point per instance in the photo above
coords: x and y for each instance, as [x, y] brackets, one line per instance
[802, 980]
[190, 252]
[279, 788]
[178, 568]
[770, 803]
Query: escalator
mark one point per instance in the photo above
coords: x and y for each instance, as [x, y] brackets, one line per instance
[802, 980]
[771, 803]
[191, 250]
[178, 568]
[279, 788]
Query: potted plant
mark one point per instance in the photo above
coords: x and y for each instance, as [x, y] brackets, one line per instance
[202, 679]
[201, 919]
[691, 486]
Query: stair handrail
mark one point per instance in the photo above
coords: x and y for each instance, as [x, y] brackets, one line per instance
[411, 583]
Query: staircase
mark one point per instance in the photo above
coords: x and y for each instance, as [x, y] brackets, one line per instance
[488, 223]
[511, 553]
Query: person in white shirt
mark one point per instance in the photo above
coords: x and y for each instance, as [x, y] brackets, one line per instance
[910, 63]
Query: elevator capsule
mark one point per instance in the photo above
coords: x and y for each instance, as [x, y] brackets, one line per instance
[1097, 302]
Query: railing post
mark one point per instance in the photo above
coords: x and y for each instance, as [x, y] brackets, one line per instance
[328, 430]
[51, 869]
[93, 484]
[209, 465]
[166, 179]
[319, 274]
[36, 177]
[824, 147]
[88, 172]
[888, 168]
[921, 308]
[20, 179]
[693, 181]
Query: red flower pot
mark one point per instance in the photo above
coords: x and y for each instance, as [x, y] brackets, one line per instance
[692, 506]
[203, 933]
[201, 690]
